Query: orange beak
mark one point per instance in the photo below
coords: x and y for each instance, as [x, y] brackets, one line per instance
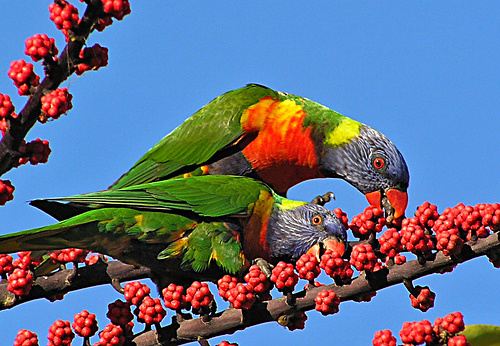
[398, 200]
[327, 244]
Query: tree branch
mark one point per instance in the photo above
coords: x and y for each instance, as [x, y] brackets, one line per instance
[55, 74]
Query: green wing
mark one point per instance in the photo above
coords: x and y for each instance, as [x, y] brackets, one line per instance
[211, 129]
[209, 196]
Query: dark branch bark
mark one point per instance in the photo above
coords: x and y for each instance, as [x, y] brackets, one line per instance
[56, 73]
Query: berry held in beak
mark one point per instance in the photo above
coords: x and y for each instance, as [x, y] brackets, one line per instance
[398, 201]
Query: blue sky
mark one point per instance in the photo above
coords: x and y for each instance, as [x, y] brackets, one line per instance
[424, 73]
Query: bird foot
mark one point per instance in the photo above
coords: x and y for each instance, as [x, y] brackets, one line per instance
[322, 200]
[264, 266]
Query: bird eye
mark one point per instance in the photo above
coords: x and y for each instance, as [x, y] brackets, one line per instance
[317, 220]
[379, 163]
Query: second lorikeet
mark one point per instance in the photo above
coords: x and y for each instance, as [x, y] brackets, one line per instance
[193, 227]
[281, 139]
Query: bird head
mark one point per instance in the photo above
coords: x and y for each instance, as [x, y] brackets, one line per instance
[371, 163]
[305, 228]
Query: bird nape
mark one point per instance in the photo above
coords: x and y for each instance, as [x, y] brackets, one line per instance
[282, 140]
[197, 228]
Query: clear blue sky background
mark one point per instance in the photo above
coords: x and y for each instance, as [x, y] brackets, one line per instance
[425, 73]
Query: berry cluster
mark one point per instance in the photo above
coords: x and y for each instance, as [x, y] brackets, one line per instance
[55, 103]
[199, 296]
[241, 296]
[6, 266]
[150, 311]
[93, 58]
[34, 152]
[335, 266]
[85, 324]
[342, 216]
[70, 255]
[135, 292]
[226, 283]
[427, 214]
[40, 46]
[327, 302]
[307, 267]
[227, 343]
[390, 243]
[370, 221]
[119, 313]
[20, 281]
[26, 338]
[415, 238]
[258, 281]
[424, 299]
[112, 335]
[64, 15]
[363, 258]
[284, 277]
[173, 297]
[384, 338]
[6, 191]
[116, 8]
[442, 332]
[6, 111]
[60, 333]
[23, 75]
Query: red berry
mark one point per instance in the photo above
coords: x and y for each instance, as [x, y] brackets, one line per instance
[342, 216]
[117, 8]
[427, 214]
[23, 75]
[26, 338]
[224, 284]
[384, 338]
[60, 333]
[119, 313]
[112, 335]
[390, 243]
[40, 46]
[284, 277]
[64, 16]
[6, 191]
[102, 23]
[258, 280]
[6, 266]
[55, 103]
[327, 302]
[227, 343]
[93, 58]
[424, 300]
[20, 281]
[335, 266]
[135, 292]
[490, 214]
[241, 296]
[85, 324]
[363, 257]
[458, 340]
[417, 333]
[452, 323]
[35, 152]
[150, 311]
[370, 221]
[199, 295]
[414, 238]
[6, 106]
[93, 259]
[308, 267]
[70, 255]
[173, 297]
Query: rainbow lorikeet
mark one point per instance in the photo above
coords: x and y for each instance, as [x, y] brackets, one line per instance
[202, 225]
[281, 139]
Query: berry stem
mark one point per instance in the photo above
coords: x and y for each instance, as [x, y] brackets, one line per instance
[116, 285]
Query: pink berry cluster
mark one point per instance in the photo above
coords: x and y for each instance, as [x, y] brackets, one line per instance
[6, 112]
[150, 311]
[26, 338]
[55, 103]
[335, 266]
[20, 276]
[424, 299]
[442, 332]
[60, 333]
[327, 302]
[23, 75]
[415, 238]
[85, 324]
[116, 8]
[200, 298]
[40, 46]
[363, 258]
[284, 277]
[64, 15]
[70, 255]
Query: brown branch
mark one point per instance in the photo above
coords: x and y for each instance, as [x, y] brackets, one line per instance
[58, 283]
[55, 74]
[232, 320]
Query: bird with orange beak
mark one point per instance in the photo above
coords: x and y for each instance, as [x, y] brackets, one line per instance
[282, 140]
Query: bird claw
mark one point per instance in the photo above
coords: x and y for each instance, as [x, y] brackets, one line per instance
[264, 266]
[322, 200]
